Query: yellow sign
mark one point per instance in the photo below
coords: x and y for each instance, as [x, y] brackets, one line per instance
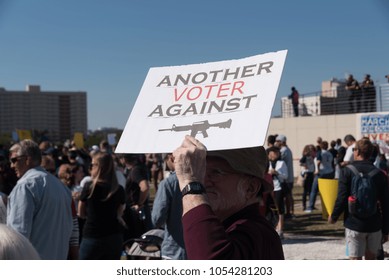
[328, 189]
[24, 134]
[78, 139]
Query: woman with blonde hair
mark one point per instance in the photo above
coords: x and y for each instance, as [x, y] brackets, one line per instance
[102, 204]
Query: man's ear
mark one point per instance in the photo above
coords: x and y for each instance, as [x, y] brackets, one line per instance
[253, 187]
[28, 160]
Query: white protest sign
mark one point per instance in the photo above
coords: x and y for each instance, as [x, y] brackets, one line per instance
[225, 105]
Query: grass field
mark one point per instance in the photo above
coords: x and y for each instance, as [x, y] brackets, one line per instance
[311, 223]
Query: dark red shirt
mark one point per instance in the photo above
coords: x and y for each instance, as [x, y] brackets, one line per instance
[245, 235]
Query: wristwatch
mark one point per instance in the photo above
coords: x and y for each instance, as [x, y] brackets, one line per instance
[193, 188]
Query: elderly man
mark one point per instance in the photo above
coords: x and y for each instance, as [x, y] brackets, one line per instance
[220, 190]
[39, 205]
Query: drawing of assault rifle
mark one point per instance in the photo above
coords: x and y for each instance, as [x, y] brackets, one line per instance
[197, 127]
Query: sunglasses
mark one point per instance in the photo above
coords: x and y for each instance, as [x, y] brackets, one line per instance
[15, 159]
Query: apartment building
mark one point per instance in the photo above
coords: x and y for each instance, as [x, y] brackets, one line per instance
[58, 113]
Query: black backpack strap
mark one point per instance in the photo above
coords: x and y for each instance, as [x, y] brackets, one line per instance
[373, 172]
[356, 172]
[353, 169]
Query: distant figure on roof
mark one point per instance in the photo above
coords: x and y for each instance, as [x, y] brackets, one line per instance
[295, 101]
[369, 94]
[352, 85]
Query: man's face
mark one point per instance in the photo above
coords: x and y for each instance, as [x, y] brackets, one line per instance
[19, 164]
[273, 156]
[349, 143]
[226, 189]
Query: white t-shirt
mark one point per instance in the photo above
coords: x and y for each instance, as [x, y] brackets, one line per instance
[349, 156]
[282, 170]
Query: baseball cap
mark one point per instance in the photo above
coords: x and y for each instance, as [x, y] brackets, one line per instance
[251, 161]
[281, 138]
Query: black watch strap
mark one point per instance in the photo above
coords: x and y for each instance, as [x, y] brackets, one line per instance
[193, 188]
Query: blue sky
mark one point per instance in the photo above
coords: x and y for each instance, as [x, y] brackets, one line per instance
[106, 47]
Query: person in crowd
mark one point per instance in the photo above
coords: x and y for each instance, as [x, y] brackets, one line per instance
[138, 213]
[39, 206]
[349, 156]
[15, 246]
[48, 163]
[46, 147]
[271, 140]
[75, 157]
[102, 204]
[71, 175]
[363, 235]
[287, 157]
[340, 156]
[220, 203]
[308, 169]
[319, 140]
[279, 172]
[294, 96]
[119, 170]
[8, 177]
[369, 94]
[104, 147]
[324, 170]
[338, 144]
[353, 87]
[167, 212]
[383, 163]
[334, 152]
[154, 165]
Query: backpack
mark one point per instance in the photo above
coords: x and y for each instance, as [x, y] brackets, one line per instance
[364, 191]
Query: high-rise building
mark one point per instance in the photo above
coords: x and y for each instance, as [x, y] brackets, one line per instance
[58, 114]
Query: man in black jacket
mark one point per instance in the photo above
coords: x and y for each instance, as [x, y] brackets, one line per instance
[363, 235]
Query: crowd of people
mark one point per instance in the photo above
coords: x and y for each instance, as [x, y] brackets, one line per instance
[71, 203]
[324, 160]
[75, 203]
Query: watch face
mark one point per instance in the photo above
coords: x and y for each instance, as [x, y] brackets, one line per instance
[193, 188]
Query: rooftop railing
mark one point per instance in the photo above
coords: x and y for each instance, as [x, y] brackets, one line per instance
[338, 101]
